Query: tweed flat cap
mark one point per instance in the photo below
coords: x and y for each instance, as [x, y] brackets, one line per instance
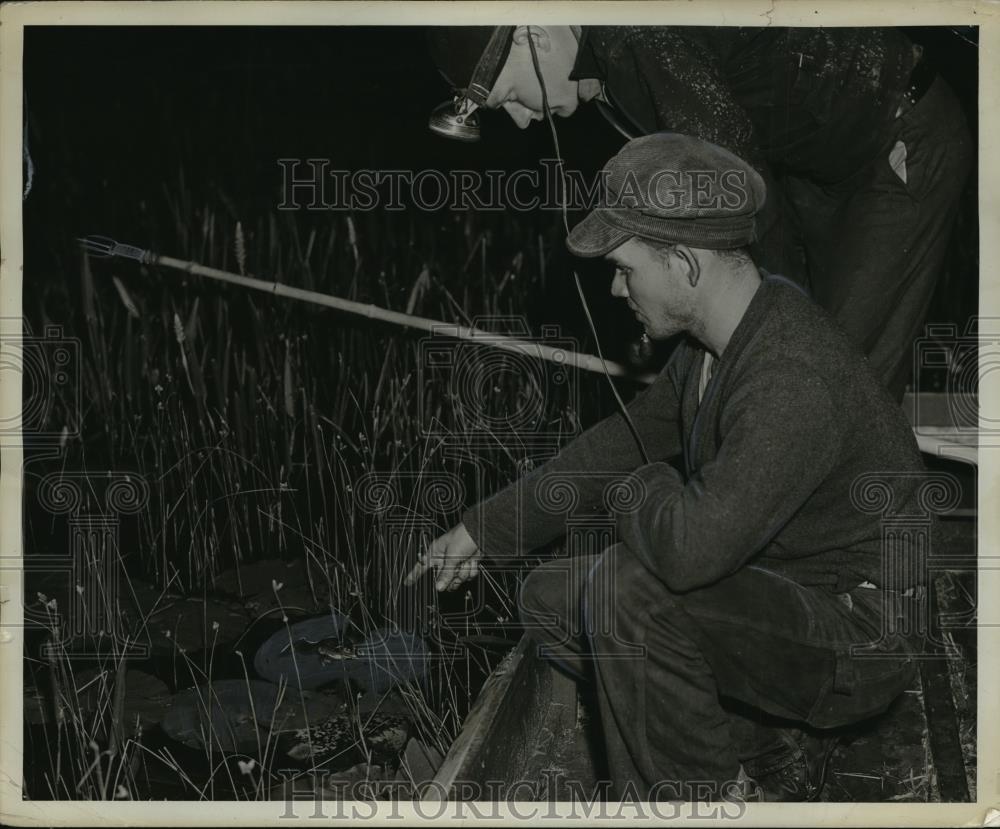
[672, 188]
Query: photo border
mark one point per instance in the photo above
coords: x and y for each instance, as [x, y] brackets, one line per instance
[13, 19]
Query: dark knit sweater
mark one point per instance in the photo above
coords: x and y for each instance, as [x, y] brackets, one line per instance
[816, 102]
[790, 419]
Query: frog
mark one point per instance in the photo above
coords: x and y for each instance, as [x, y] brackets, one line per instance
[330, 649]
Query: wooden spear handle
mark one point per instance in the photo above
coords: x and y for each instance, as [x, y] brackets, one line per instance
[560, 356]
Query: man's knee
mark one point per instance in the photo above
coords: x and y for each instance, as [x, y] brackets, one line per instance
[602, 593]
[620, 595]
[533, 598]
[550, 592]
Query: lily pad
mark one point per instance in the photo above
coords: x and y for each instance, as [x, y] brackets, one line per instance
[265, 586]
[390, 658]
[192, 624]
[304, 709]
[376, 662]
[238, 717]
[257, 577]
[297, 600]
[146, 698]
[140, 600]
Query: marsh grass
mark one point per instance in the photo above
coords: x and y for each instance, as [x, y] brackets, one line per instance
[255, 420]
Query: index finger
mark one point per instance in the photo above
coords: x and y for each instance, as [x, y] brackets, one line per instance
[422, 566]
[418, 570]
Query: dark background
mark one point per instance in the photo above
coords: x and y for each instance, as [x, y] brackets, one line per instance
[119, 116]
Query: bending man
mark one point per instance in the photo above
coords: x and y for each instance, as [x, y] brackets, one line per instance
[868, 143]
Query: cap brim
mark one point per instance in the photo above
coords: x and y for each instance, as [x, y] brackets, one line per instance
[595, 237]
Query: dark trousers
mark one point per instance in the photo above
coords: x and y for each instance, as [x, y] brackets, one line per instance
[662, 662]
[875, 244]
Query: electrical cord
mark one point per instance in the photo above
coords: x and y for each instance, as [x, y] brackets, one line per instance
[576, 276]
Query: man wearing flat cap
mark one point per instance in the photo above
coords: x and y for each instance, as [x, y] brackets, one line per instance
[869, 144]
[744, 572]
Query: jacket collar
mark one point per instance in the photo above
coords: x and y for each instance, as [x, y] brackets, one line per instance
[771, 286]
[587, 64]
[750, 321]
[693, 411]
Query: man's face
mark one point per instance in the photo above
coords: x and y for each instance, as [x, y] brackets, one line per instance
[517, 89]
[654, 286]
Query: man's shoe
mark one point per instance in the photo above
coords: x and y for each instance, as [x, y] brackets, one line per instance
[742, 790]
[794, 772]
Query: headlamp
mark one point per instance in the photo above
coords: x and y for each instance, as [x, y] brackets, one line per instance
[456, 119]
[476, 53]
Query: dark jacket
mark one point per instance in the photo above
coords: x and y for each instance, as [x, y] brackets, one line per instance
[810, 101]
[790, 419]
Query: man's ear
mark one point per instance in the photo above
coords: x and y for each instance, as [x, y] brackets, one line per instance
[543, 42]
[690, 264]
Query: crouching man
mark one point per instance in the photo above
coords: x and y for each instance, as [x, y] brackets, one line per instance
[746, 573]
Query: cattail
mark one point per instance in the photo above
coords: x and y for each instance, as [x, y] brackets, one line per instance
[125, 298]
[179, 334]
[241, 250]
[541, 260]
[289, 391]
[87, 285]
[309, 246]
[352, 234]
[192, 322]
[417, 291]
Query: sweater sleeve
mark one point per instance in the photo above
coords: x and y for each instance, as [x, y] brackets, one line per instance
[514, 521]
[779, 442]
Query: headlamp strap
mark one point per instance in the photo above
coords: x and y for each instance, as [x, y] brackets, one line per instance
[487, 68]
